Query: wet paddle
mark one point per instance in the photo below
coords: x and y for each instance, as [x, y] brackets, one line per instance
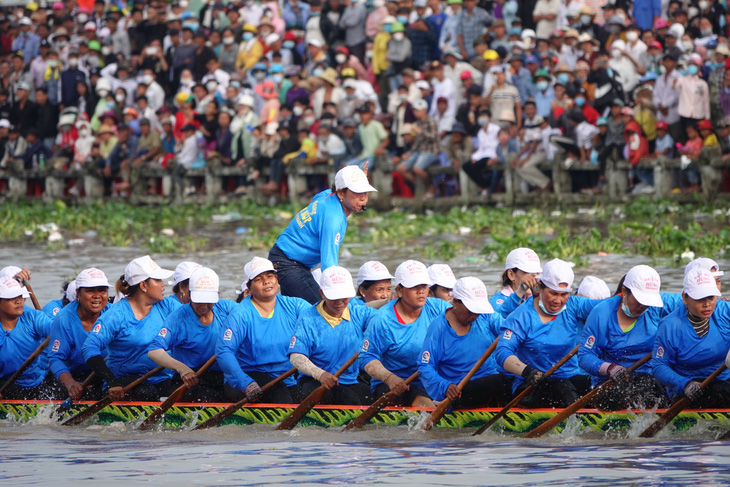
[441, 409]
[312, 400]
[69, 402]
[33, 299]
[377, 406]
[215, 420]
[677, 407]
[102, 403]
[25, 365]
[567, 412]
[519, 397]
[172, 399]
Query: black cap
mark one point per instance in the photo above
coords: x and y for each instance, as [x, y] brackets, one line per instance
[45, 43]
[363, 109]
[458, 128]
[474, 90]
[284, 125]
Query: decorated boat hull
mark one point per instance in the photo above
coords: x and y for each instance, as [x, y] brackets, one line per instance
[186, 415]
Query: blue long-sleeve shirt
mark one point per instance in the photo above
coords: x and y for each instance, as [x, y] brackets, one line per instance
[29, 44]
[67, 338]
[503, 304]
[19, 343]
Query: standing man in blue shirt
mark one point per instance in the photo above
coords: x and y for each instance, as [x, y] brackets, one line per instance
[27, 42]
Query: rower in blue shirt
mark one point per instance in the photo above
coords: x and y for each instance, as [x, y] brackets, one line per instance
[180, 283]
[619, 332]
[127, 330]
[188, 338]
[455, 342]
[252, 349]
[693, 341]
[540, 333]
[373, 283]
[394, 338]
[315, 234]
[23, 330]
[69, 331]
[326, 336]
[521, 268]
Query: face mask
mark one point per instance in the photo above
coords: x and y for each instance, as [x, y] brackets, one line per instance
[609, 72]
[288, 44]
[265, 33]
[632, 36]
[308, 120]
[704, 5]
[277, 78]
[53, 63]
[693, 12]
[340, 58]
[317, 72]
[247, 36]
[542, 85]
[403, 98]
[148, 79]
[82, 19]
[398, 36]
[542, 307]
[73, 62]
[580, 101]
[152, 50]
[563, 78]
[388, 28]
[402, 19]
[616, 53]
[62, 43]
[483, 121]
[228, 41]
[190, 25]
[625, 309]
[235, 84]
[209, 43]
[692, 69]
[186, 81]
[110, 104]
[585, 19]
[119, 97]
[298, 110]
[105, 51]
[688, 46]
[259, 75]
[85, 132]
[706, 32]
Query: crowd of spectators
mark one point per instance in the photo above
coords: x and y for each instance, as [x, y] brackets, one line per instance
[475, 84]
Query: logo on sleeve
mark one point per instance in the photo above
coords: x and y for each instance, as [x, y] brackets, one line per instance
[163, 333]
[500, 301]
[55, 311]
[97, 328]
[337, 239]
[56, 346]
[591, 340]
[293, 342]
[660, 352]
[228, 335]
[507, 335]
[365, 345]
[426, 357]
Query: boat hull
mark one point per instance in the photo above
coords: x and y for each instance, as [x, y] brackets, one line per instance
[185, 415]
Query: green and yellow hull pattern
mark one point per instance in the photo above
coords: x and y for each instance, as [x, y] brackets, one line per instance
[185, 415]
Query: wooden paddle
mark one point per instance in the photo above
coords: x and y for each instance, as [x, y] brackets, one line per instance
[102, 403]
[519, 397]
[215, 420]
[370, 412]
[312, 400]
[172, 399]
[33, 299]
[565, 413]
[677, 407]
[69, 402]
[441, 409]
[25, 365]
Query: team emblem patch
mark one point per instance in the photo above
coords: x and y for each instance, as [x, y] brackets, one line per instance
[163, 333]
[293, 342]
[426, 357]
[365, 345]
[97, 328]
[660, 352]
[56, 346]
[500, 301]
[507, 335]
[55, 311]
[337, 239]
[228, 335]
[591, 340]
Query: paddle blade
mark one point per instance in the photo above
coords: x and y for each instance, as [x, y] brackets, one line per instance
[376, 407]
[88, 412]
[437, 414]
[312, 400]
[162, 408]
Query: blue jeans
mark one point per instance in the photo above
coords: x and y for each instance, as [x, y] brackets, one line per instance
[295, 278]
[420, 160]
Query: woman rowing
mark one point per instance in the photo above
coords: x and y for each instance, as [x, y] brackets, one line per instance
[127, 330]
[252, 349]
[314, 236]
[443, 280]
[326, 336]
[710, 266]
[373, 283]
[693, 341]
[23, 330]
[620, 331]
[189, 336]
[456, 341]
[540, 333]
[521, 268]
[180, 283]
[395, 336]
[69, 331]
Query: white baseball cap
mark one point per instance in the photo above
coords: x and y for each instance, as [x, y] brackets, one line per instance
[593, 288]
[354, 179]
[256, 266]
[423, 85]
[10, 271]
[204, 285]
[372, 270]
[699, 284]
[473, 293]
[314, 42]
[91, 277]
[442, 275]
[25, 21]
[71, 291]
[558, 276]
[412, 273]
[336, 283]
[317, 274]
[183, 271]
[523, 259]
[706, 264]
[143, 268]
[5, 123]
[644, 283]
[10, 288]
[420, 104]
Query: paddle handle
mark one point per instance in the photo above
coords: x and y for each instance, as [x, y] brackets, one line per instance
[172, 399]
[678, 407]
[33, 298]
[519, 397]
[69, 401]
[25, 365]
[565, 413]
[375, 408]
[441, 409]
[216, 419]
